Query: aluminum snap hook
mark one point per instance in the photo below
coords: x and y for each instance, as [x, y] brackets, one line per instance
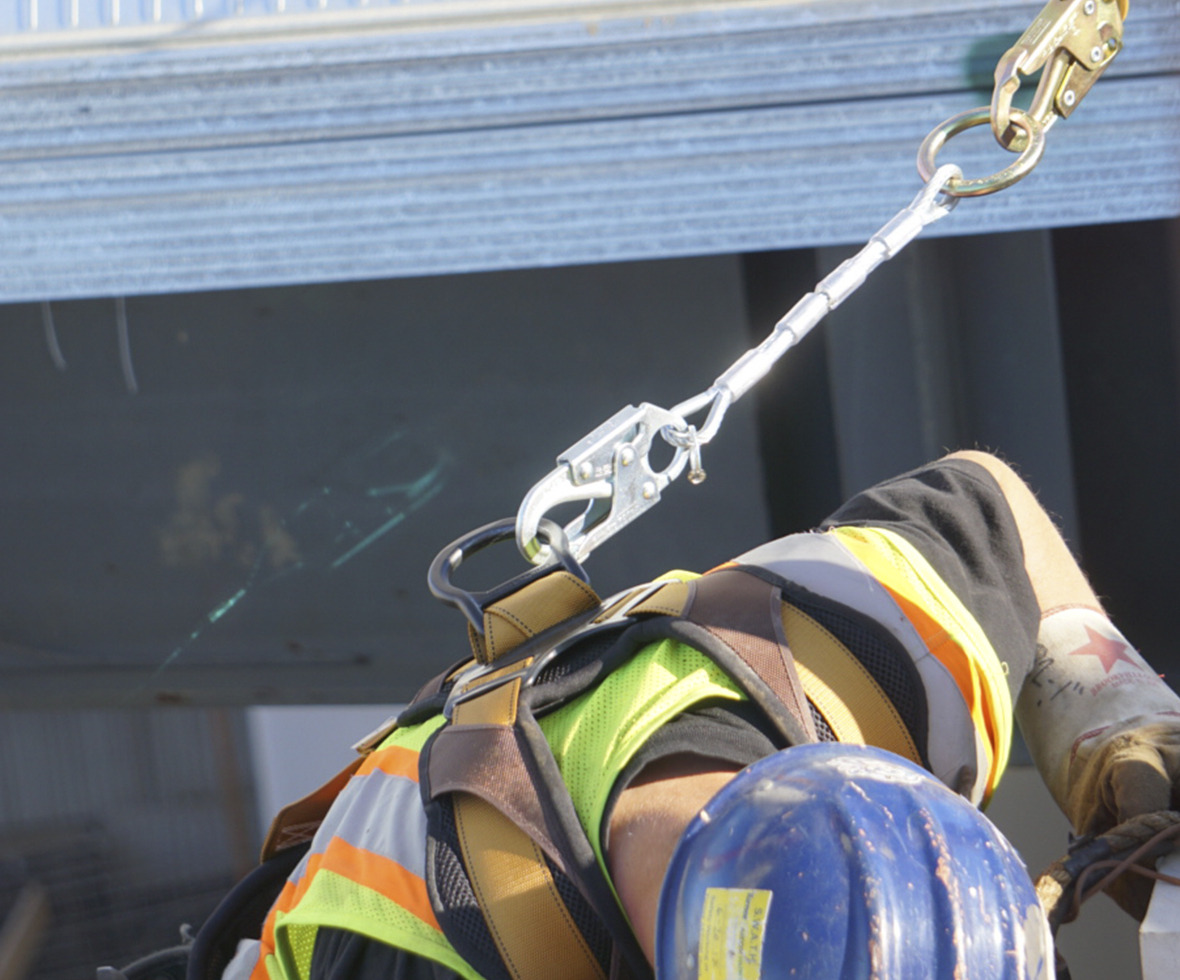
[610, 469]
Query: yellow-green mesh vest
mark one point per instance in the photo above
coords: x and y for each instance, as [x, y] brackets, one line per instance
[361, 874]
[592, 738]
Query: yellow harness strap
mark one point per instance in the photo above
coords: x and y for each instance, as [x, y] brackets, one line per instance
[836, 682]
[533, 931]
[531, 610]
[842, 689]
[528, 921]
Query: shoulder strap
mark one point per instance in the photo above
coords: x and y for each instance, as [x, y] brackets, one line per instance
[745, 613]
[544, 603]
[485, 761]
[741, 615]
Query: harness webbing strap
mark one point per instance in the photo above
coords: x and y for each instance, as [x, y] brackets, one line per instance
[486, 761]
[297, 822]
[670, 599]
[843, 690]
[478, 756]
[503, 835]
[494, 703]
[518, 617]
[530, 925]
[743, 612]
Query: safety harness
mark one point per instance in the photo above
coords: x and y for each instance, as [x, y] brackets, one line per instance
[521, 842]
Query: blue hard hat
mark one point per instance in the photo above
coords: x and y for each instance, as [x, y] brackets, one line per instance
[840, 862]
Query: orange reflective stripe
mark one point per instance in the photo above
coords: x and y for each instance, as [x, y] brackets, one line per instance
[949, 631]
[382, 875]
[961, 668]
[364, 868]
[393, 761]
[365, 789]
[260, 972]
[284, 903]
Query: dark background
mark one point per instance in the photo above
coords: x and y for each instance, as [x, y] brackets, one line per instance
[242, 510]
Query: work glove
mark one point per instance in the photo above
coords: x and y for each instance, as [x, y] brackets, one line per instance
[1120, 772]
[1103, 729]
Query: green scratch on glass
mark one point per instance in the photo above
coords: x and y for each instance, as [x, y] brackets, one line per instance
[416, 492]
[226, 606]
[419, 491]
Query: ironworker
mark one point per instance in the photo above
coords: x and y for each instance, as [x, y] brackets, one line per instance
[518, 820]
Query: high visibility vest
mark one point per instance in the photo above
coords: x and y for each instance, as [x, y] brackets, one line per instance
[364, 871]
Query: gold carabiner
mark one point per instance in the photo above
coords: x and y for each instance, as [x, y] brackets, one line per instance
[1073, 41]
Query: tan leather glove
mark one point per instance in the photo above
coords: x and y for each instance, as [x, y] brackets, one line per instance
[1129, 770]
[1103, 729]
[1133, 769]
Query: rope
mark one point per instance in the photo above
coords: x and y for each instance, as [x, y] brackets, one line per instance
[1066, 883]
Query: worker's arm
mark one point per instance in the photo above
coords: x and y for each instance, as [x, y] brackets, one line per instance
[1102, 727]
[645, 827]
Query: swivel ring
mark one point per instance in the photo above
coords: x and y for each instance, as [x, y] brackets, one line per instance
[961, 187]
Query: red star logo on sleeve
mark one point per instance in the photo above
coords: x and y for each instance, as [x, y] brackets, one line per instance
[1109, 651]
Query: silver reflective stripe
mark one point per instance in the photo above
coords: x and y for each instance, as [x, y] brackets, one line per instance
[376, 812]
[244, 961]
[820, 563]
[379, 813]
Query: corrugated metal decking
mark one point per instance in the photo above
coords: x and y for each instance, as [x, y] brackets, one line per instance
[222, 150]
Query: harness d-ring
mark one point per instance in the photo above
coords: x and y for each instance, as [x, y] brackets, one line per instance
[962, 187]
[473, 604]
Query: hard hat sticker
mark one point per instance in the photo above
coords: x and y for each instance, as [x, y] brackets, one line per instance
[733, 926]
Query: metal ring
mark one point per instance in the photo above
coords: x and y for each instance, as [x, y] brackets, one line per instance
[961, 187]
[472, 604]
